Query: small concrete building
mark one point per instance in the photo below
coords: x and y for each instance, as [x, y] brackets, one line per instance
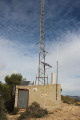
[48, 96]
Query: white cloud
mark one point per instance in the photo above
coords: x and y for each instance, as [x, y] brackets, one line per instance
[12, 56]
[13, 59]
[69, 61]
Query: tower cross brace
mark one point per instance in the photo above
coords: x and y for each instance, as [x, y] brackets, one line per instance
[42, 52]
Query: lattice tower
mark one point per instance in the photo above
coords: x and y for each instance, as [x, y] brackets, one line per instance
[42, 53]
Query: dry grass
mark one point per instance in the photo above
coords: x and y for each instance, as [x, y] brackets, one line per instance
[68, 112]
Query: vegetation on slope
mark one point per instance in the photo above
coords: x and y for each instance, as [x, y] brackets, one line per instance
[7, 90]
[69, 100]
[2, 110]
[33, 111]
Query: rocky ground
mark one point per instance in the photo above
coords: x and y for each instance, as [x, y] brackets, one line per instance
[67, 112]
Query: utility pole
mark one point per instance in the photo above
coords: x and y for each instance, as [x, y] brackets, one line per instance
[57, 81]
[57, 74]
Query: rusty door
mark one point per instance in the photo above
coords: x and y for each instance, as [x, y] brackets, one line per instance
[23, 99]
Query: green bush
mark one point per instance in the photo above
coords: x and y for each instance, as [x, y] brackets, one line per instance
[9, 104]
[2, 111]
[68, 100]
[16, 110]
[33, 111]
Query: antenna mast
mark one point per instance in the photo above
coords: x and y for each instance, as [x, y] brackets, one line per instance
[57, 82]
[42, 77]
[42, 52]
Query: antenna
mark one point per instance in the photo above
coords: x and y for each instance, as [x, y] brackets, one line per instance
[42, 53]
[57, 76]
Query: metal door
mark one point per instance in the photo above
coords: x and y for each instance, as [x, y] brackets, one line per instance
[23, 99]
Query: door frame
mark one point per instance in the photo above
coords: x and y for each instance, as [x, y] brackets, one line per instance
[28, 95]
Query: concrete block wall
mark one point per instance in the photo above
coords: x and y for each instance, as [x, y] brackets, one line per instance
[45, 95]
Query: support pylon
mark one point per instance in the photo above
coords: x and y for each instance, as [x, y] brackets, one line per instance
[42, 76]
[42, 53]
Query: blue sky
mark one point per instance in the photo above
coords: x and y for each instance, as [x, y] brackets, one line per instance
[19, 35]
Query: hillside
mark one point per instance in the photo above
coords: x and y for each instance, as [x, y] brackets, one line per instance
[75, 97]
[68, 112]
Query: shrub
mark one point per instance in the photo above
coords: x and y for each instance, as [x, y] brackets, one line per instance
[68, 100]
[23, 116]
[16, 110]
[33, 111]
[41, 113]
[2, 111]
[9, 105]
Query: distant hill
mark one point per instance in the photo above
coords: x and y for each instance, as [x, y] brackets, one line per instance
[75, 97]
[70, 99]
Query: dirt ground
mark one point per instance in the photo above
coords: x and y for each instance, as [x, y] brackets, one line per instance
[67, 112]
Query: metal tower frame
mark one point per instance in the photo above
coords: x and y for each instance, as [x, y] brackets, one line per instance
[42, 53]
[41, 68]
